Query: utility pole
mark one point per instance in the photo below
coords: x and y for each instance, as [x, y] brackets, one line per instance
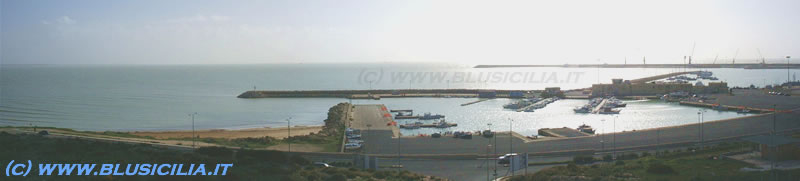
[615, 137]
[495, 148]
[486, 162]
[699, 129]
[193, 136]
[289, 135]
[772, 139]
[603, 135]
[787, 70]
[398, 152]
[510, 143]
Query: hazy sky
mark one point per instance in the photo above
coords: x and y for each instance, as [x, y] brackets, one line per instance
[471, 32]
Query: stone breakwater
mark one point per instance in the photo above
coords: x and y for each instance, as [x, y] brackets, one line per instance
[377, 92]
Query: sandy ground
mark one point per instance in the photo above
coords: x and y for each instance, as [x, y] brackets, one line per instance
[278, 133]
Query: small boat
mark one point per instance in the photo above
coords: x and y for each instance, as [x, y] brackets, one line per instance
[609, 111]
[586, 129]
[487, 133]
[429, 116]
[415, 125]
[582, 109]
[443, 124]
[743, 110]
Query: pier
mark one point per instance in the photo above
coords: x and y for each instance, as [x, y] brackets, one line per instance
[599, 107]
[562, 132]
[703, 66]
[663, 76]
[474, 102]
[376, 94]
[724, 107]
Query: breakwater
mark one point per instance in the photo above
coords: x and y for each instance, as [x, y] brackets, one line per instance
[704, 66]
[377, 93]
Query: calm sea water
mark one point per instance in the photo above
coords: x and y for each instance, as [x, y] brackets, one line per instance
[160, 97]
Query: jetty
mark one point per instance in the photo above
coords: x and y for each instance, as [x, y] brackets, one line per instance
[434, 125]
[406, 117]
[662, 76]
[703, 66]
[378, 93]
[561, 132]
[474, 102]
[599, 106]
[724, 107]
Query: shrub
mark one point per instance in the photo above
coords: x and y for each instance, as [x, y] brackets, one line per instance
[619, 163]
[583, 159]
[337, 177]
[645, 154]
[608, 158]
[659, 168]
[214, 151]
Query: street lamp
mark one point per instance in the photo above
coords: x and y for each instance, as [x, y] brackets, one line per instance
[510, 141]
[495, 146]
[614, 136]
[289, 133]
[365, 138]
[193, 136]
[787, 70]
[602, 135]
[700, 114]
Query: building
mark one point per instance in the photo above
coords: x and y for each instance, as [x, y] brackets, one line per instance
[777, 147]
[487, 93]
[552, 90]
[619, 87]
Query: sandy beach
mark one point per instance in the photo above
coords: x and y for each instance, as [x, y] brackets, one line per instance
[278, 133]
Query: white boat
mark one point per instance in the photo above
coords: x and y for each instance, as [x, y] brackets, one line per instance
[583, 109]
[586, 129]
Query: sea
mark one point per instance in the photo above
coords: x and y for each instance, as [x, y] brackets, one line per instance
[162, 97]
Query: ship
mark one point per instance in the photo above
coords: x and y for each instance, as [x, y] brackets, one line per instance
[429, 116]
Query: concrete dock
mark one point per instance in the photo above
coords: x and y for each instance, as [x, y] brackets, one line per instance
[474, 102]
[562, 132]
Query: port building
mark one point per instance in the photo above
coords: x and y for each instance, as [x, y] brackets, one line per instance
[619, 87]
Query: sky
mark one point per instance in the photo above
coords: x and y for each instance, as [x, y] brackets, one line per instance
[381, 31]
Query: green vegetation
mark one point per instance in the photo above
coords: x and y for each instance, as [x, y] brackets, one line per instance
[329, 138]
[248, 164]
[690, 164]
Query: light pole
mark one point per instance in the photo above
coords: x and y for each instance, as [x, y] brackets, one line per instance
[602, 135]
[495, 147]
[289, 133]
[787, 70]
[614, 130]
[701, 130]
[486, 162]
[365, 140]
[511, 143]
[398, 152]
[193, 136]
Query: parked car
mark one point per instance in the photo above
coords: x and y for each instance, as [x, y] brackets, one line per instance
[321, 164]
[352, 146]
[506, 159]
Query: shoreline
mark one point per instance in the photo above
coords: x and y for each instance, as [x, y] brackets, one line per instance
[278, 132]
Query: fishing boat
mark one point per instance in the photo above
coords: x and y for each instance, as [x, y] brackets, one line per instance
[429, 116]
[583, 109]
[586, 129]
[415, 125]
[609, 111]
[443, 124]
